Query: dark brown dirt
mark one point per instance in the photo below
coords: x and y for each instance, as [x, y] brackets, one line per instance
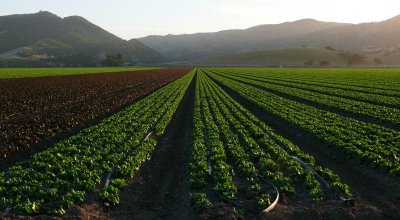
[36, 112]
[329, 210]
[160, 189]
[377, 195]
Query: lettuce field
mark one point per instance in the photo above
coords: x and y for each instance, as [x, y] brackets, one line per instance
[202, 143]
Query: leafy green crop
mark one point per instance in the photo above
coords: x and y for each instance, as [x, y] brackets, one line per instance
[230, 142]
[340, 99]
[368, 143]
[55, 179]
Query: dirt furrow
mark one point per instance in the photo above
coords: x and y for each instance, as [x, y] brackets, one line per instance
[161, 190]
[369, 186]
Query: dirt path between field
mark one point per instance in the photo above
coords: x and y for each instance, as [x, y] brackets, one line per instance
[369, 186]
[161, 190]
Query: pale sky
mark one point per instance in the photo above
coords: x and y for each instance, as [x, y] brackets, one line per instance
[138, 18]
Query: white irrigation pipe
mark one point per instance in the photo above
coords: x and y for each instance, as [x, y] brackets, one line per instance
[348, 201]
[112, 169]
[266, 210]
[208, 156]
[148, 136]
[8, 209]
[108, 177]
[209, 168]
[306, 166]
[272, 206]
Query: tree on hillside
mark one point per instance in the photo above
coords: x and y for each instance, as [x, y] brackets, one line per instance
[378, 61]
[324, 63]
[113, 60]
[352, 58]
[330, 48]
[355, 58]
[309, 63]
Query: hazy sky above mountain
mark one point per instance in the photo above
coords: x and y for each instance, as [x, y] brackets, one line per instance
[134, 18]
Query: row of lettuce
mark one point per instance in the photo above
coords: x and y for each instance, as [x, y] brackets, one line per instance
[55, 179]
[384, 97]
[232, 149]
[369, 143]
[370, 81]
[378, 107]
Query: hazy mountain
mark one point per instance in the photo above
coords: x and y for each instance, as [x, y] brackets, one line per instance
[45, 37]
[356, 37]
[202, 45]
[364, 38]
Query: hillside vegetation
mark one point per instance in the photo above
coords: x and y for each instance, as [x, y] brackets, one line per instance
[46, 39]
[366, 38]
[287, 57]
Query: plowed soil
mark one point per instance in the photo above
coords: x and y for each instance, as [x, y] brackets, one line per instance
[36, 111]
[160, 189]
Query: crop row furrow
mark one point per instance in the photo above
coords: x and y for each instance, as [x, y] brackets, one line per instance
[381, 113]
[53, 180]
[375, 145]
[254, 133]
[383, 100]
[254, 150]
[350, 80]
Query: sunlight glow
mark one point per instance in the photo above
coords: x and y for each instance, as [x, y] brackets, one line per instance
[137, 18]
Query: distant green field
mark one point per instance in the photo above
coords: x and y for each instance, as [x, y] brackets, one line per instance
[36, 72]
[374, 78]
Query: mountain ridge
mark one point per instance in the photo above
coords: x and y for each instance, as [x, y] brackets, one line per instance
[361, 37]
[202, 45]
[44, 38]
[71, 40]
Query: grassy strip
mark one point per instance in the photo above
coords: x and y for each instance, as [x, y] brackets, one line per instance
[6, 73]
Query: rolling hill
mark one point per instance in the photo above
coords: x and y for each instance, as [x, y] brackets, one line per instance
[365, 38]
[46, 39]
[203, 45]
[284, 57]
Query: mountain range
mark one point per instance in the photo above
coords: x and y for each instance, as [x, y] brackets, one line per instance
[376, 39]
[45, 38]
[203, 45]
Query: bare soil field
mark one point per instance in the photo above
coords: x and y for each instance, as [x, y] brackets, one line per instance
[33, 110]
